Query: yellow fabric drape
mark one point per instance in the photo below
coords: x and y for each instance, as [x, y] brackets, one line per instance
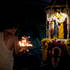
[61, 31]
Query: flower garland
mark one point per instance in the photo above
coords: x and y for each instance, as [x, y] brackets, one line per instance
[55, 64]
[68, 46]
[59, 17]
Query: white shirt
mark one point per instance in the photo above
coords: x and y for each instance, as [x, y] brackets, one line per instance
[6, 57]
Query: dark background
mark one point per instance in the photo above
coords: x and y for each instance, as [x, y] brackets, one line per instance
[31, 17]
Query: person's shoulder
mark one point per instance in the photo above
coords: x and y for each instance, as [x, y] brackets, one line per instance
[1, 32]
[1, 35]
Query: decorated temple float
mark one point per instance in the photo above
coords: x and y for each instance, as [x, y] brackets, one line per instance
[57, 33]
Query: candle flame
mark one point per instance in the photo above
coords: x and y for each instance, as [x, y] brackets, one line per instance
[24, 42]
